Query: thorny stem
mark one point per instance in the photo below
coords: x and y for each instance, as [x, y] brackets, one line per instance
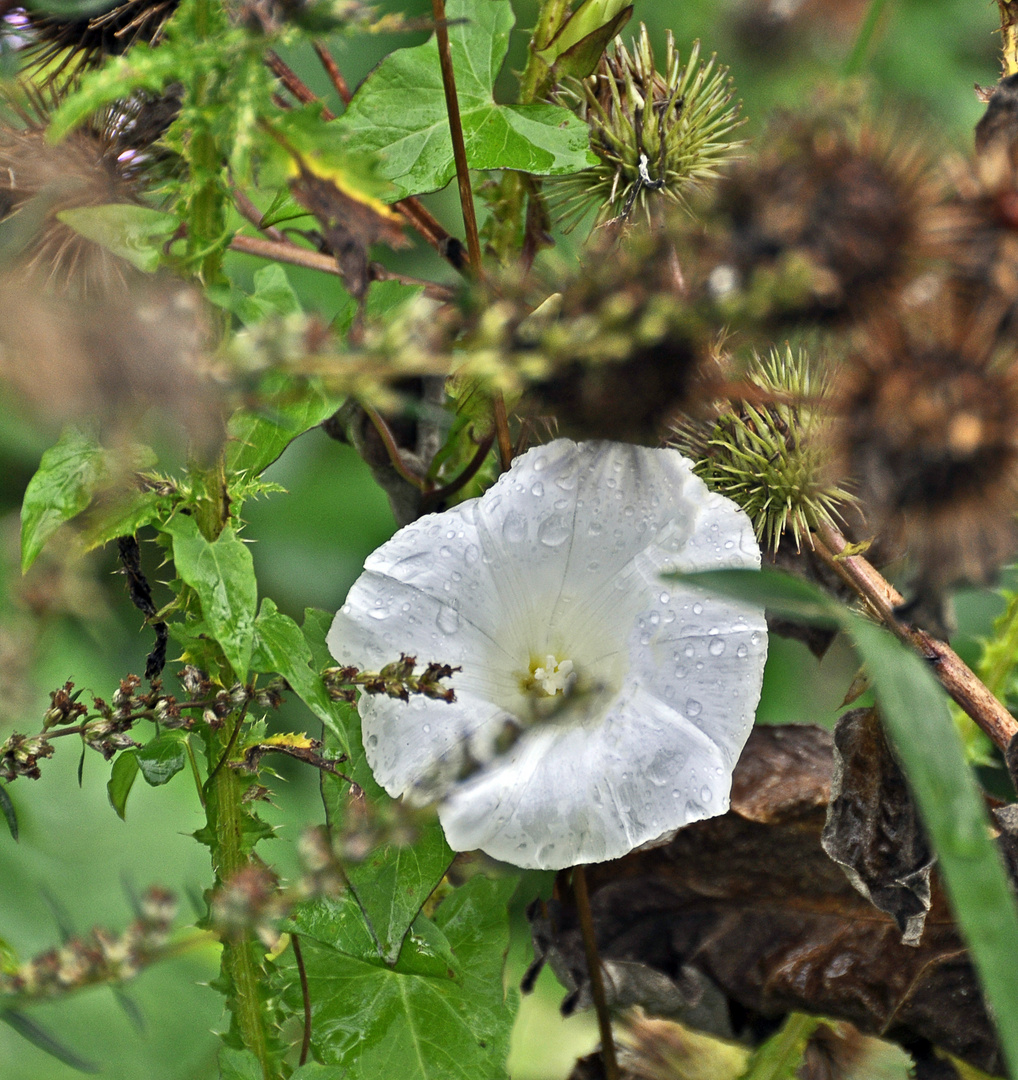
[955, 676]
[459, 150]
[225, 821]
[604, 1022]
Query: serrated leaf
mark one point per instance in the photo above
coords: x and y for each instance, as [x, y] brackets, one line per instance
[10, 814]
[162, 758]
[121, 517]
[279, 646]
[913, 708]
[439, 1012]
[62, 487]
[222, 574]
[257, 438]
[40, 1038]
[134, 233]
[122, 778]
[239, 1065]
[400, 110]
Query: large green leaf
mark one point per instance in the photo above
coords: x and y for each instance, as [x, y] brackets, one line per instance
[135, 233]
[222, 574]
[122, 778]
[62, 487]
[258, 437]
[440, 1012]
[400, 110]
[914, 711]
[161, 758]
[279, 646]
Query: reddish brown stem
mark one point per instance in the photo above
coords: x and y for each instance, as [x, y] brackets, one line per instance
[248, 209]
[604, 1021]
[339, 84]
[294, 83]
[955, 676]
[459, 150]
[505, 444]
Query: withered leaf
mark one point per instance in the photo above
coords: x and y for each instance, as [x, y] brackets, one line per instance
[751, 903]
[873, 827]
[350, 226]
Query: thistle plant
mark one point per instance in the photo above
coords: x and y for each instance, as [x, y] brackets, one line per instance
[655, 132]
[767, 451]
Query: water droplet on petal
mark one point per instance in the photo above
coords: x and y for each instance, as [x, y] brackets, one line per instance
[742, 652]
[716, 647]
[445, 552]
[378, 612]
[665, 598]
[448, 619]
[705, 793]
[426, 729]
[553, 532]
[514, 528]
[698, 609]
[693, 708]
[537, 490]
[372, 740]
[693, 811]
[471, 554]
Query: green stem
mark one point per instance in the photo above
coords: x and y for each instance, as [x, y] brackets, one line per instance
[514, 188]
[206, 219]
[241, 971]
[856, 58]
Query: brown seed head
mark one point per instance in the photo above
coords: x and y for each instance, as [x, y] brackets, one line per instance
[929, 433]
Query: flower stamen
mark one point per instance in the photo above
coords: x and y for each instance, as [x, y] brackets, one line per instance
[554, 677]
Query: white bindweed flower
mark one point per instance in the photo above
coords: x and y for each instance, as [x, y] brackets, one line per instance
[599, 707]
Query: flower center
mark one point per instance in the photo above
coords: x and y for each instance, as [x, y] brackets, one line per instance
[552, 677]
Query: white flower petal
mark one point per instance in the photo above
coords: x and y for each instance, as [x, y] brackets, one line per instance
[558, 568]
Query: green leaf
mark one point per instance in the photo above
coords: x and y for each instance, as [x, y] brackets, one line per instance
[315, 1071]
[122, 778]
[162, 758]
[121, 517]
[284, 207]
[315, 629]
[222, 574]
[393, 882]
[440, 1012]
[576, 49]
[135, 233]
[62, 487]
[239, 1065]
[400, 110]
[781, 1055]
[914, 711]
[273, 296]
[257, 438]
[41, 1039]
[279, 646]
[10, 814]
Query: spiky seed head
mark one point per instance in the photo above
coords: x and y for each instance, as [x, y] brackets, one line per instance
[828, 220]
[654, 132]
[61, 47]
[929, 433]
[767, 453]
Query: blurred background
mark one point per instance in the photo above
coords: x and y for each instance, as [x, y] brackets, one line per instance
[76, 862]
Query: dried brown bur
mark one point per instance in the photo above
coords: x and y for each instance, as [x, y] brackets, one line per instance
[827, 222]
[928, 431]
[742, 919]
